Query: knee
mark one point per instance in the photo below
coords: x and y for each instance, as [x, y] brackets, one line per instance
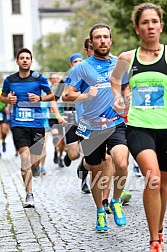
[122, 167]
[25, 170]
[152, 181]
[73, 156]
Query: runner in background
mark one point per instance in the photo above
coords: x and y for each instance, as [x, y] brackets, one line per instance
[72, 140]
[57, 86]
[4, 123]
[46, 106]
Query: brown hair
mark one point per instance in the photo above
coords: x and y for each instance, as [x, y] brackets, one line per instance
[138, 10]
[98, 26]
[22, 50]
[86, 42]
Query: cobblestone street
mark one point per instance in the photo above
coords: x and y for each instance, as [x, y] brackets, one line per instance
[63, 218]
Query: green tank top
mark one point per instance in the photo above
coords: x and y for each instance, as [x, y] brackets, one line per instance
[148, 86]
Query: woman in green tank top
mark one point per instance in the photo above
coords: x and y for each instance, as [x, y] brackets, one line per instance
[147, 115]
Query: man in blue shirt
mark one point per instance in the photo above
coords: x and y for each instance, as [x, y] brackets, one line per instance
[100, 126]
[22, 90]
[72, 140]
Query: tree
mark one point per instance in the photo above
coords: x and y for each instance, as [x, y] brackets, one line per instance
[52, 51]
[121, 13]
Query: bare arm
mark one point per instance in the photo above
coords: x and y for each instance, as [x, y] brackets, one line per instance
[12, 98]
[126, 94]
[56, 112]
[121, 67]
[8, 99]
[71, 94]
[36, 98]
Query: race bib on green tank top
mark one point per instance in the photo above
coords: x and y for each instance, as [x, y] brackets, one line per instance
[148, 97]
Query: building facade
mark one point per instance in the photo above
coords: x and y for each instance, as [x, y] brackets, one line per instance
[25, 21]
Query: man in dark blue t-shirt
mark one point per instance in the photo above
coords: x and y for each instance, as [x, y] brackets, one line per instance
[22, 90]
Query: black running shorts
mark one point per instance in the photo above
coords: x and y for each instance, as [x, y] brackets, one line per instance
[139, 139]
[30, 137]
[70, 136]
[95, 147]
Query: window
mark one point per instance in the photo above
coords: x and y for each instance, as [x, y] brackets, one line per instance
[17, 43]
[15, 6]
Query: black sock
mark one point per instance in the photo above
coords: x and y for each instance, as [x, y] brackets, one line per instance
[154, 241]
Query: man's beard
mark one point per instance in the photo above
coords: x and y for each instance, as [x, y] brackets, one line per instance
[24, 69]
[100, 53]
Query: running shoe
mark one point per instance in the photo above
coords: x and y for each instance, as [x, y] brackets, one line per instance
[35, 171]
[119, 215]
[85, 188]
[137, 171]
[29, 201]
[67, 161]
[3, 146]
[55, 159]
[106, 206]
[155, 247]
[161, 240]
[125, 197]
[60, 162]
[43, 171]
[101, 224]
[81, 171]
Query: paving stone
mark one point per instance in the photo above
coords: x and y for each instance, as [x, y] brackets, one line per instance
[63, 218]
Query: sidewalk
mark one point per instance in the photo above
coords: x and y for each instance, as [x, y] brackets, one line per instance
[63, 218]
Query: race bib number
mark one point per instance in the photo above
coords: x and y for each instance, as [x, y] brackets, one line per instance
[25, 114]
[1, 116]
[148, 97]
[84, 129]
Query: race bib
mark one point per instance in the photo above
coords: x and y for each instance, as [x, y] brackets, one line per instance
[1, 116]
[84, 129]
[148, 97]
[25, 114]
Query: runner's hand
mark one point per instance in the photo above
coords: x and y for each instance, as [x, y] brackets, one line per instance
[33, 97]
[119, 105]
[12, 99]
[93, 91]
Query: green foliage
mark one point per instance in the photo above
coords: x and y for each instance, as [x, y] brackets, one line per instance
[85, 17]
[121, 12]
[52, 52]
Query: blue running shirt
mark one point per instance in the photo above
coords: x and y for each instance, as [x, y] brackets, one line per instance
[78, 105]
[90, 72]
[26, 113]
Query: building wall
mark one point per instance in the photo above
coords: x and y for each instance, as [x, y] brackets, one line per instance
[34, 21]
[56, 23]
[26, 24]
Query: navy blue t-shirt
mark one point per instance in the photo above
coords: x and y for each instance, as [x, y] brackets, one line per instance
[26, 113]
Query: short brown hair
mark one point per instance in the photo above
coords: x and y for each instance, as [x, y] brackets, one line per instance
[86, 42]
[98, 26]
[22, 50]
